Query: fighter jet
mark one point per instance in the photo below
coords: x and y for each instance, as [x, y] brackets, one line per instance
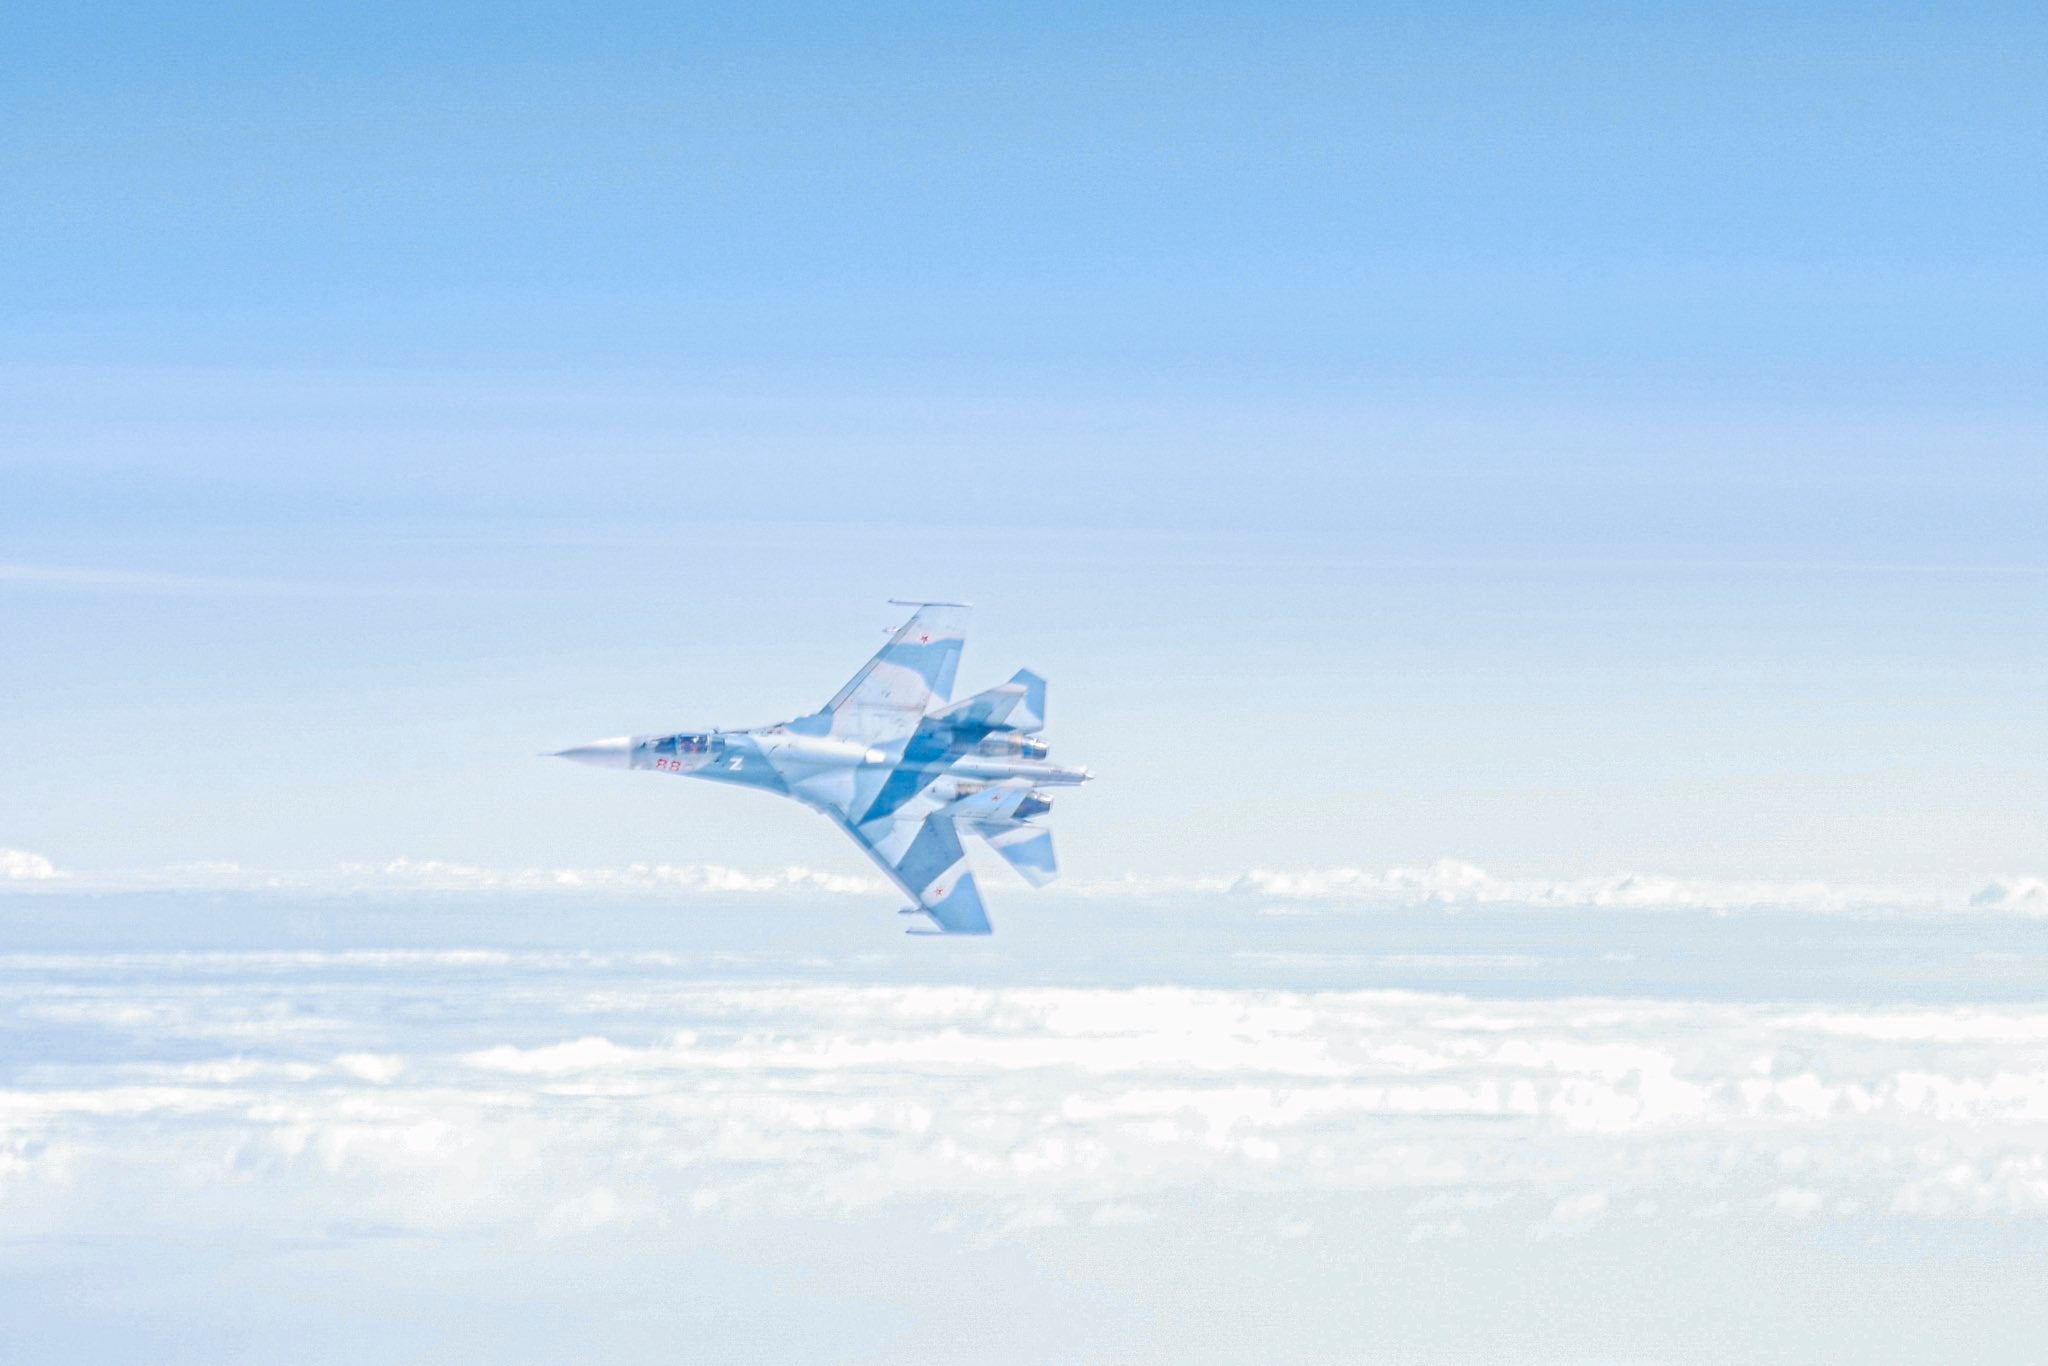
[901, 767]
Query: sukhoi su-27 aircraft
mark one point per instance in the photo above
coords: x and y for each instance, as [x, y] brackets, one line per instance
[903, 769]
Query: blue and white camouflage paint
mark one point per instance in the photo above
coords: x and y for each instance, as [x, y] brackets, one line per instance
[901, 767]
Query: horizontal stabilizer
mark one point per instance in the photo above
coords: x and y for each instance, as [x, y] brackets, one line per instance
[1017, 705]
[1027, 848]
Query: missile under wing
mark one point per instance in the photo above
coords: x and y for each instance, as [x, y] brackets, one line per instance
[907, 772]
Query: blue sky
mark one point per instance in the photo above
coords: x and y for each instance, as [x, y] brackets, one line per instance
[1535, 514]
[1603, 439]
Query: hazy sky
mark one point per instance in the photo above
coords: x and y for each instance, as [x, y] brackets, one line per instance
[1598, 441]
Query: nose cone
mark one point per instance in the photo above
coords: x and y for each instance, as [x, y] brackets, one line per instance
[613, 753]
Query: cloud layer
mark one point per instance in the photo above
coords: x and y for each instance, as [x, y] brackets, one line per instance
[1455, 883]
[437, 875]
[582, 1091]
[1445, 884]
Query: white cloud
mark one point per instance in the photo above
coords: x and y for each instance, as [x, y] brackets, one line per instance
[583, 1055]
[615, 1089]
[436, 875]
[1453, 883]
[19, 865]
[2025, 895]
[440, 875]
[371, 1067]
[1447, 884]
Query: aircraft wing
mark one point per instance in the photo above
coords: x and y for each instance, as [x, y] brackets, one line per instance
[883, 703]
[920, 850]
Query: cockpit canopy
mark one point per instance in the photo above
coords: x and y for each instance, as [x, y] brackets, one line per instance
[680, 753]
[685, 744]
